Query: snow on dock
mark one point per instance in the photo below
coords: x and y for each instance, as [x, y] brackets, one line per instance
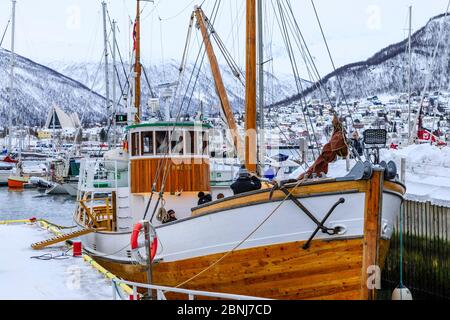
[63, 278]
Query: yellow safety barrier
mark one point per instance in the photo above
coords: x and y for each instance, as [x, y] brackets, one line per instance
[49, 227]
[16, 221]
[91, 261]
[107, 274]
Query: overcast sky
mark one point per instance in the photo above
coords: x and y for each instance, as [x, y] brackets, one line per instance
[71, 30]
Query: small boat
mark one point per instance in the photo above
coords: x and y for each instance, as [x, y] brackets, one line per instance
[56, 188]
[8, 159]
[17, 182]
[71, 187]
[40, 183]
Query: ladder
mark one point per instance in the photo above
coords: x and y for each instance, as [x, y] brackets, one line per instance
[62, 237]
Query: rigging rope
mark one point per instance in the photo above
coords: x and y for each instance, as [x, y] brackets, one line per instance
[245, 239]
[307, 55]
[401, 243]
[164, 163]
[428, 78]
[4, 32]
[294, 66]
[332, 61]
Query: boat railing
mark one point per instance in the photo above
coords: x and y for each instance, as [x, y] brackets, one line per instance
[97, 213]
[224, 169]
[101, 174]
[162, 290]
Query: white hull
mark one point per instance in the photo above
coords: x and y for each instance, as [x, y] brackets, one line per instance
[222, 231]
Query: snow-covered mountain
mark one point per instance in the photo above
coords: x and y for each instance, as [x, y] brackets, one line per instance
[93, 76]
[386, 72]
[37, 88]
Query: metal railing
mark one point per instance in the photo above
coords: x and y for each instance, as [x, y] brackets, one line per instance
[99, 173]
[161, 291]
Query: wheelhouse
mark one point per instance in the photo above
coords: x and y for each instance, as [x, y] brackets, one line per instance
[178, 150]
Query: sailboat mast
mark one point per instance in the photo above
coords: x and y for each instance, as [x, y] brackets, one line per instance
[220, 86]
[250, 88]
[261, 149]
[409, 74]
[114, 84]
[105, 43]
[137, 65]
[11, 84]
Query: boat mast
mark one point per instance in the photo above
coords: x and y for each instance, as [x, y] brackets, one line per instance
[105, 43]
[250, 88]
[409, 74]
[11, 85]
[220, 87]
[137, 65]
[114, 84]
[261, 152]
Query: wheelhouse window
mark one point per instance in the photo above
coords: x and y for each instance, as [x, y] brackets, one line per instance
[162, 142]
[147, 143]
[135, 144]
[190, 142]
[205, 150]
[177, 142]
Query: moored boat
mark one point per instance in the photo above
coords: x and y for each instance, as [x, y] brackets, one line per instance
[310, 238]
[16, 182]
[306, 239]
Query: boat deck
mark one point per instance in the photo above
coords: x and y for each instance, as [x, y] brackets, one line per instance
[23, 277]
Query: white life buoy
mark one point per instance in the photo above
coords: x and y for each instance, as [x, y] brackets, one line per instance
[136, 244]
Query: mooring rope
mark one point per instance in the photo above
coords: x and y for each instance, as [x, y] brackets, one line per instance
[401, 244]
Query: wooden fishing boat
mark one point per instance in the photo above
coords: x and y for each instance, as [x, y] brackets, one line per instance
[319, 238]
[311, 238]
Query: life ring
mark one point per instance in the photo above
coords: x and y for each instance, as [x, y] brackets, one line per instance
[136, 244]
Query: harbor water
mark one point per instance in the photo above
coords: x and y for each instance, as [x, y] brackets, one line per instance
[33, 203]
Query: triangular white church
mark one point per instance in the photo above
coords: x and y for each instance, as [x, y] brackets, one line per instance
[58, 119]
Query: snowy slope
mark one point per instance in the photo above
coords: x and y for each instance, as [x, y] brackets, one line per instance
[92, 75]
[386, 71]
[37, 88]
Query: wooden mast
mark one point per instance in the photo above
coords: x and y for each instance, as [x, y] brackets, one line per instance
[250, 89]
[220, 87]
[137, 65]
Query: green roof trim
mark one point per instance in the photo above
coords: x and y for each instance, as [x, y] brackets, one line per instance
[170, 124]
